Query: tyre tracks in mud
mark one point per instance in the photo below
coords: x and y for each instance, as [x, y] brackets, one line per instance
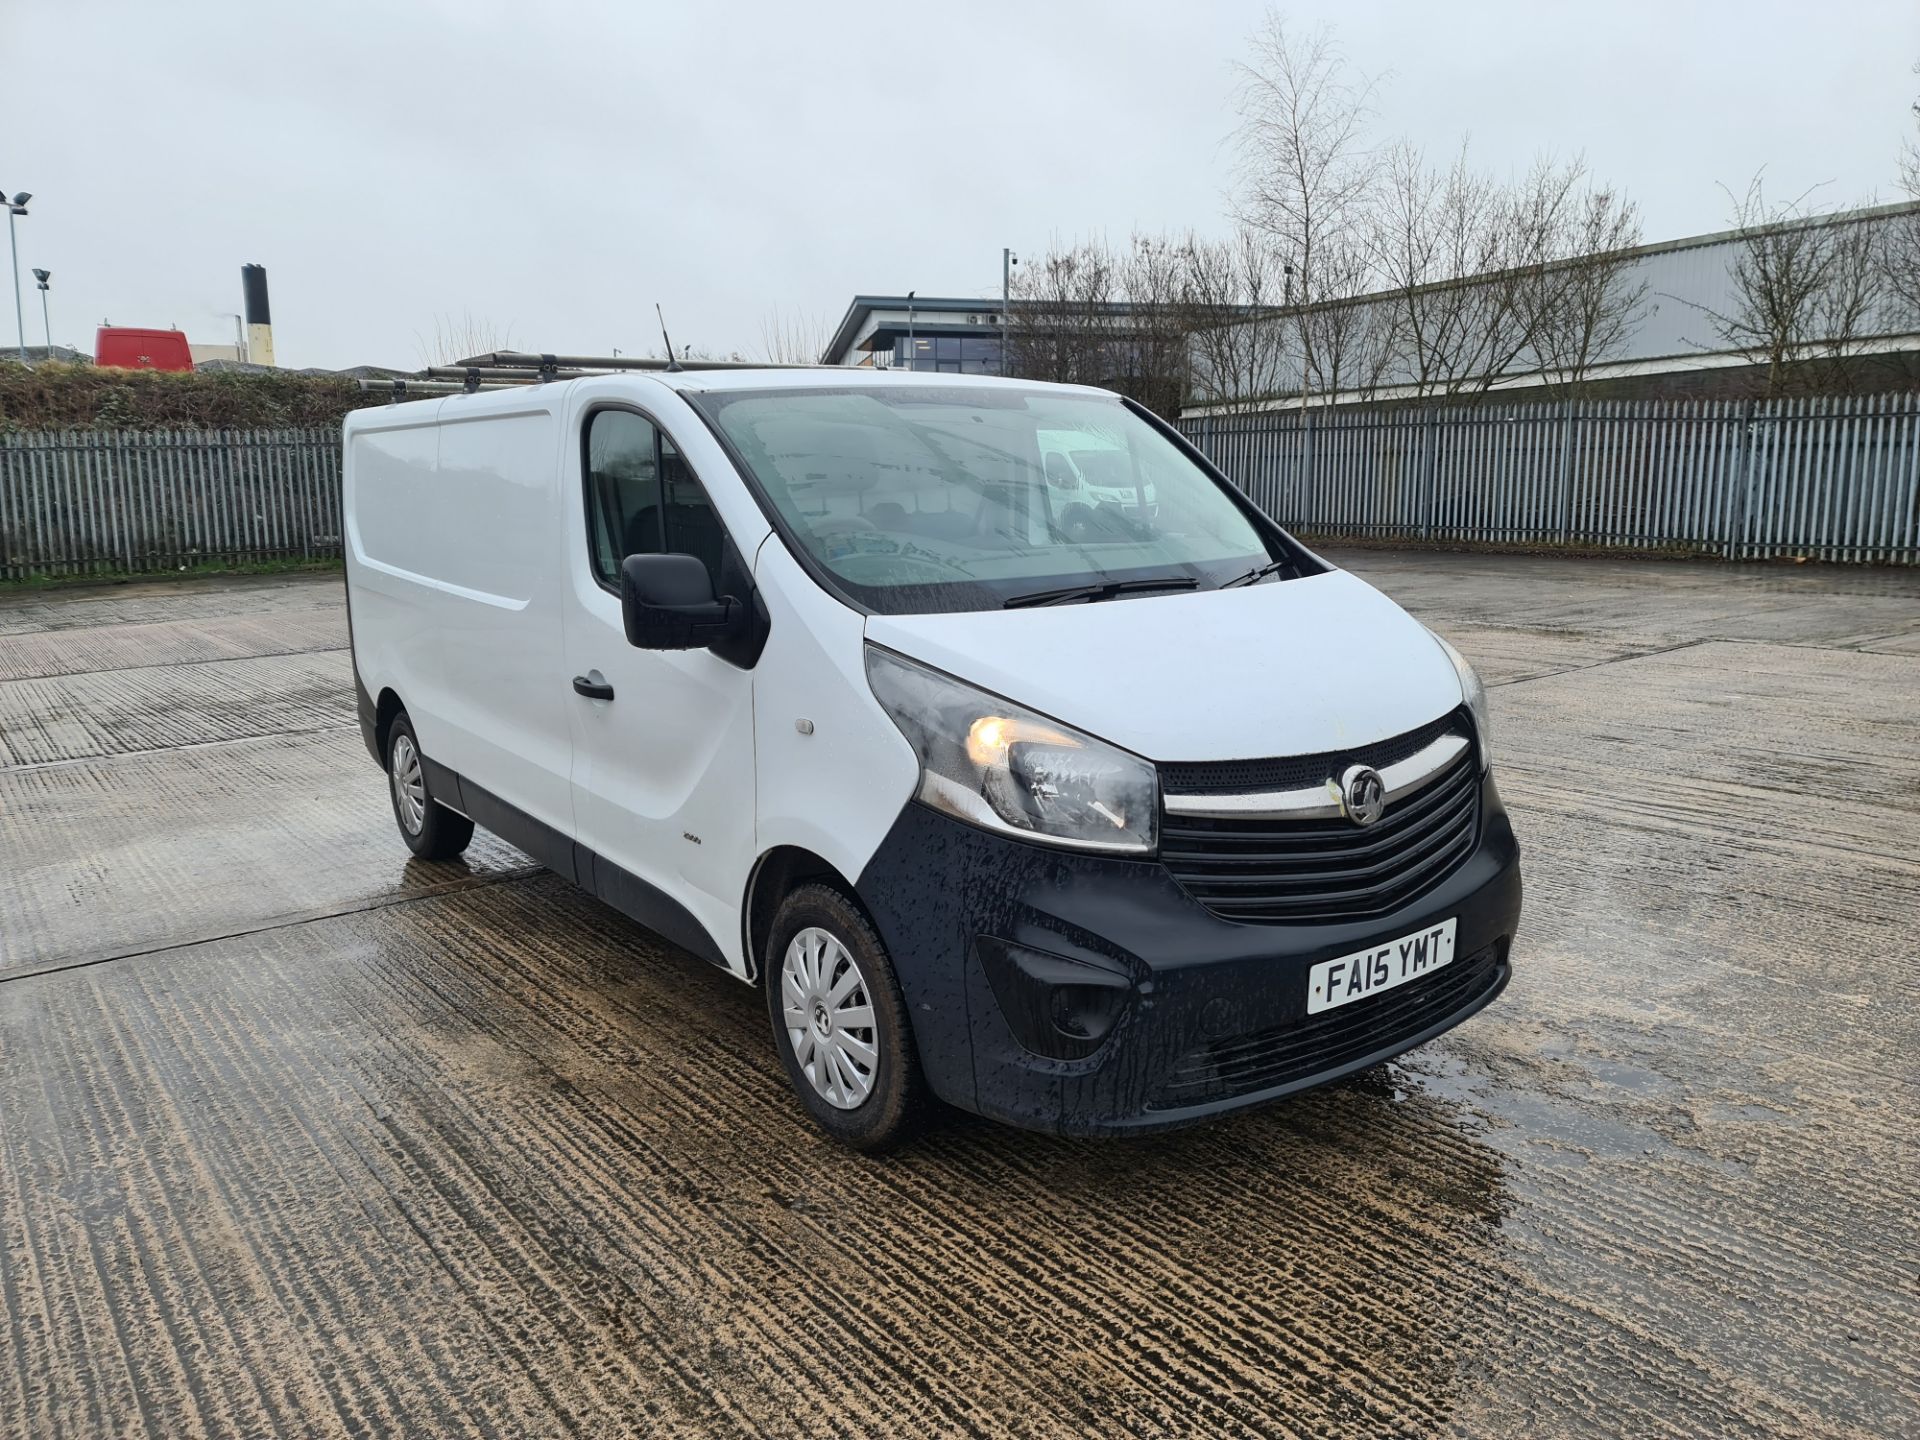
[317, 1140]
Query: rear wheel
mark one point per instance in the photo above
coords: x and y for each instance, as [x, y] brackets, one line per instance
[840, 1022]
[431, 831]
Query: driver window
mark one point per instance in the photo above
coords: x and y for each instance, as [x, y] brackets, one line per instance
[643, 499]
[692, 527]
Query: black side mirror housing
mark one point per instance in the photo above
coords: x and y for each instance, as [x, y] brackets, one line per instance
[667, 602]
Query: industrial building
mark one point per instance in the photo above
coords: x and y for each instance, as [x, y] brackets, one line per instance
[947, 335]
[1671, 346]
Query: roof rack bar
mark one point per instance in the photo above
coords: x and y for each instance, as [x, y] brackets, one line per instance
[402, 388]
[526, 360]
[497, 373]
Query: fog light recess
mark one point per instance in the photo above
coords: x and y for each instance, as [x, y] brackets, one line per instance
[1058, 1007]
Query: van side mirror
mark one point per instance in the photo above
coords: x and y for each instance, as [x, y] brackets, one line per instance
[668, 603]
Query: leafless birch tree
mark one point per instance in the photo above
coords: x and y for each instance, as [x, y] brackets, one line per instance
[1060, 323]
[1900, 255]
[1152, 365]
[1851, 306]
[1346, 345]
[1238, 334]
[1434, 230]
[1799, 291]
[792, 337]
[1308, 172]
[457, 337]
[1087, 314]
[1578, 296]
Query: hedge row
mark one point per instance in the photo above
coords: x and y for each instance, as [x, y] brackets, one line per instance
[60, 397]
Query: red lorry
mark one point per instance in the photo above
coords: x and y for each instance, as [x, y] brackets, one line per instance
[128, 348]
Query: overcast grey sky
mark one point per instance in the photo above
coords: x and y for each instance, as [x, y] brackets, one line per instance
[557, 168]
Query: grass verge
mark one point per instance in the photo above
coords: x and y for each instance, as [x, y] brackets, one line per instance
[206, 569]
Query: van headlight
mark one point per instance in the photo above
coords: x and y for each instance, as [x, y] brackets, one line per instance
[1475, 694]
[1003, 768]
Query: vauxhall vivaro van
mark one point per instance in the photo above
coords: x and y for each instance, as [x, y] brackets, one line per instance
[1091, 823]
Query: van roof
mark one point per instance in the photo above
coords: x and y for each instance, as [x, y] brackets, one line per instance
[521, 398]
[841, 377]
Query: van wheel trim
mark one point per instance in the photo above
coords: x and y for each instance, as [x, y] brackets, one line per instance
[828, 1013]
[409, 786]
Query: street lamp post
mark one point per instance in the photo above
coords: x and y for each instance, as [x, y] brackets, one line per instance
[15, 207]
[42, 277]
[1007, 261]
[913, 359]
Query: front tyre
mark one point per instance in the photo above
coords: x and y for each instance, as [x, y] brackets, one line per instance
[840, 1022]
[431, 831]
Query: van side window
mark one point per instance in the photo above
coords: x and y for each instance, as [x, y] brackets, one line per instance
[692, 527]
[643, 499]
[623, 491]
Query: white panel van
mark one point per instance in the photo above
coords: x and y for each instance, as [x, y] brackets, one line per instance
[1092, 803]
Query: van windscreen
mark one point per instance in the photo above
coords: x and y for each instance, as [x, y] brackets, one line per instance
[935, 498]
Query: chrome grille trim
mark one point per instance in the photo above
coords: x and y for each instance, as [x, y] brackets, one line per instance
[1316, 866]
[1322, 802]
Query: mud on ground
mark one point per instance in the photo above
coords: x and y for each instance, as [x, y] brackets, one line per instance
[300, 1136]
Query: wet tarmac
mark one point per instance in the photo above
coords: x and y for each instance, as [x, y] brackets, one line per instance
[299, 1136]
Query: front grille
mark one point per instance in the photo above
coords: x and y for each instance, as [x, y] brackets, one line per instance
[1293, 772]
[1267, 1059]
[1276, 871]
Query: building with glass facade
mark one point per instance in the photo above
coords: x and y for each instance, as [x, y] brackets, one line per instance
[939, 335]
[1107, 344]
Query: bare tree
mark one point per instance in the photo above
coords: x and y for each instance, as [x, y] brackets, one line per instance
[1441, 240]
[456, 337]
[689, 350]
[1400, 272]
[1577, 292]
[1153, 363]
[1087, 314]
[1407, 253]
[1851, 305]
[1238, 334]
[1345, 344]
[1799, 290]
[793, 338]
[1308, 173]
[1061, 320]
[1900, 255]
[1910, 151]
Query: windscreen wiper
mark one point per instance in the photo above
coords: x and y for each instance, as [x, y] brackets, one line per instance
[1259, 572]
[1106, 591]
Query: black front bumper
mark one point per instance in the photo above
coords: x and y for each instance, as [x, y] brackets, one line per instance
[1092, 996]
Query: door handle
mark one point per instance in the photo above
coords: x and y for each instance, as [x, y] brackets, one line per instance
[592, 689]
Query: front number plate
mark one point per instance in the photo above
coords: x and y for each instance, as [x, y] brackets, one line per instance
[1333, 983]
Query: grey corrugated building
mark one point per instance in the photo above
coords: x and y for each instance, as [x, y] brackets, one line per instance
[1671, 346]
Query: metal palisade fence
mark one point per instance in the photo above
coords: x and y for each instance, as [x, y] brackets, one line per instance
[1828, 478]
[78, 502]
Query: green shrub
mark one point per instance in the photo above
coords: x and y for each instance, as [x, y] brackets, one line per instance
[86, 397]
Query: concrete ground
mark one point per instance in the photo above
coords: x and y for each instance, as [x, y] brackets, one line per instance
[299, 1136]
